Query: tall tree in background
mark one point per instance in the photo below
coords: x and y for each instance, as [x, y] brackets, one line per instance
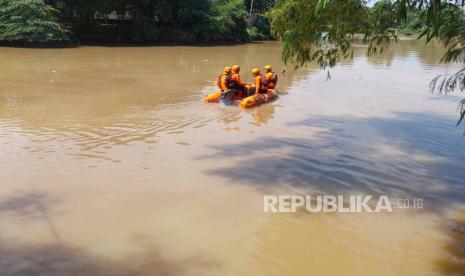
[30, 21]
[258, 24]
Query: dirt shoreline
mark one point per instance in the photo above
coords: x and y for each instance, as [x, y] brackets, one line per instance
[75, 44]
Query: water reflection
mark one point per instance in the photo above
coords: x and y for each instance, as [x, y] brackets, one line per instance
[428, 55]
[262, 115]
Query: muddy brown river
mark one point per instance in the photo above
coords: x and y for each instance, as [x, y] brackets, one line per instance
[112, 165]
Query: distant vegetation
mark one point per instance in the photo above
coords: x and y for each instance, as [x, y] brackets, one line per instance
[165, 21]
[30, 21]
[384, 15]
[305, 25]
[133, 21]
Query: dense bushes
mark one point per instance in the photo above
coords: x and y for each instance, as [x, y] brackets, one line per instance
[228, 20]
[129, 21]
[259, 28]
[155, 21]
[29, 21]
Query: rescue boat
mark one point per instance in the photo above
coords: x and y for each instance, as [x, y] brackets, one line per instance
[248, 102]
[213, 97]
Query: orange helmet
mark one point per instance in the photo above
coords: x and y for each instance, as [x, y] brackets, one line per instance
[227, 69]
[255, 71]
[268, 68]
[236, 68]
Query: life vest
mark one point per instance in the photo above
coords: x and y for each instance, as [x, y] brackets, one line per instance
[273, 80]
[228, 81]
[234, 83]
[264, 83]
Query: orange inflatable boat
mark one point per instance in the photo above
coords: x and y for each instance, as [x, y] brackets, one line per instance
[248, 102]
[213, 97]
[259, 99]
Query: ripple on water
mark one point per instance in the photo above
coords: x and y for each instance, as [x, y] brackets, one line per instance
[94, 139]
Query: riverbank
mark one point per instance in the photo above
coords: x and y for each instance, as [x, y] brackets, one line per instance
[53, 45]
[45, 45]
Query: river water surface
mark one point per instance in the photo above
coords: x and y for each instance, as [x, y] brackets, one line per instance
[112, 165]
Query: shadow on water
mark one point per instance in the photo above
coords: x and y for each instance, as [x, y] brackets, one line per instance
[454, 262]
[410, 154]
[58, 258]
[32, 205]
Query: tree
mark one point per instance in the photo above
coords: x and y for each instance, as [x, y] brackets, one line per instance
[382, 16]
[29, 21]
[323, 30]
[229, 19]
[156, 20]
[312, 31]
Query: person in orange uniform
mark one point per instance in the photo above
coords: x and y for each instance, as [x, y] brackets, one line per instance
[271, 77]
[224, 80]
[236, 82]
[261, 83]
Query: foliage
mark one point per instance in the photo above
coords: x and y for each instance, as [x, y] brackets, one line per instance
[448, 25]
[259, 27]
[306, 25]
[461, 109]
[228, 20]
[258, 24]
[382, 16]
[255, 33]
[413, 24]
[29, 21]
[259, 6]
[322, 30]
[446, 84]
[311, 31]
[146, 21]
[446, 22]
[156, 20]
